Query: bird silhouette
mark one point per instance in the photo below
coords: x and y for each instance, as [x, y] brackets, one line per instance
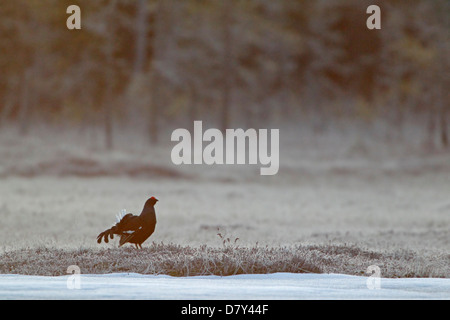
[131, 228]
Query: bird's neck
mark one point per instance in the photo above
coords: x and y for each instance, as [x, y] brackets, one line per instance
[148, 212]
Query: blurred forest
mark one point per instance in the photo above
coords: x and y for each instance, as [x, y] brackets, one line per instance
[236, 63]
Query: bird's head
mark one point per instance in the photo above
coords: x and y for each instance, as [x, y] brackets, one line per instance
[151, 201]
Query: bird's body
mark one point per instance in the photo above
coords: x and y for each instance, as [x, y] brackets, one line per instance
[131, 228]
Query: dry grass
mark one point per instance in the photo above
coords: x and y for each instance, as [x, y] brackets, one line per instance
[176, 260]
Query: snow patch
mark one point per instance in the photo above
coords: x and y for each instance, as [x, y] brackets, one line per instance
[248, 286]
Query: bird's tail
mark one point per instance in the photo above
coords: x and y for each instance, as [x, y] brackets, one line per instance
[109, 233]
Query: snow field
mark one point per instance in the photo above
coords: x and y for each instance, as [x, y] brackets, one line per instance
[239, 287]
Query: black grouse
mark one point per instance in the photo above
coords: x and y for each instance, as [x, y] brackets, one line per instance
[131, 228]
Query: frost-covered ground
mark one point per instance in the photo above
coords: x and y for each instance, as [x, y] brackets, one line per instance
[238, 287]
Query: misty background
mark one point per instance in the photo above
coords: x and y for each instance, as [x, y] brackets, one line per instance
[148, 67]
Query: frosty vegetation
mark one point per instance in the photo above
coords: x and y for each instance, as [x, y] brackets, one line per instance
[176, 260]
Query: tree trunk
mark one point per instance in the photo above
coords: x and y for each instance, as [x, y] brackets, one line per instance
[8, 105]
[24, 112]
[108, 121]
[141, 32]
[227, 64]
[107, 96]
[193, 114]
[431, 129]
[444, 128]
[154, 103]
[161, 25]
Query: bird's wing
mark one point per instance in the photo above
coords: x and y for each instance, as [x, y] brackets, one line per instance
[128, 226]
[129, 223]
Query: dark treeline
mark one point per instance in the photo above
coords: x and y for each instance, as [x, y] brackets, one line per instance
[234, 63]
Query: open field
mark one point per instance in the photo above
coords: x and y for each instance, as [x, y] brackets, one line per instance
[338, 210]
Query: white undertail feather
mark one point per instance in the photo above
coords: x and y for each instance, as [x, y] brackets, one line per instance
[121, 214]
